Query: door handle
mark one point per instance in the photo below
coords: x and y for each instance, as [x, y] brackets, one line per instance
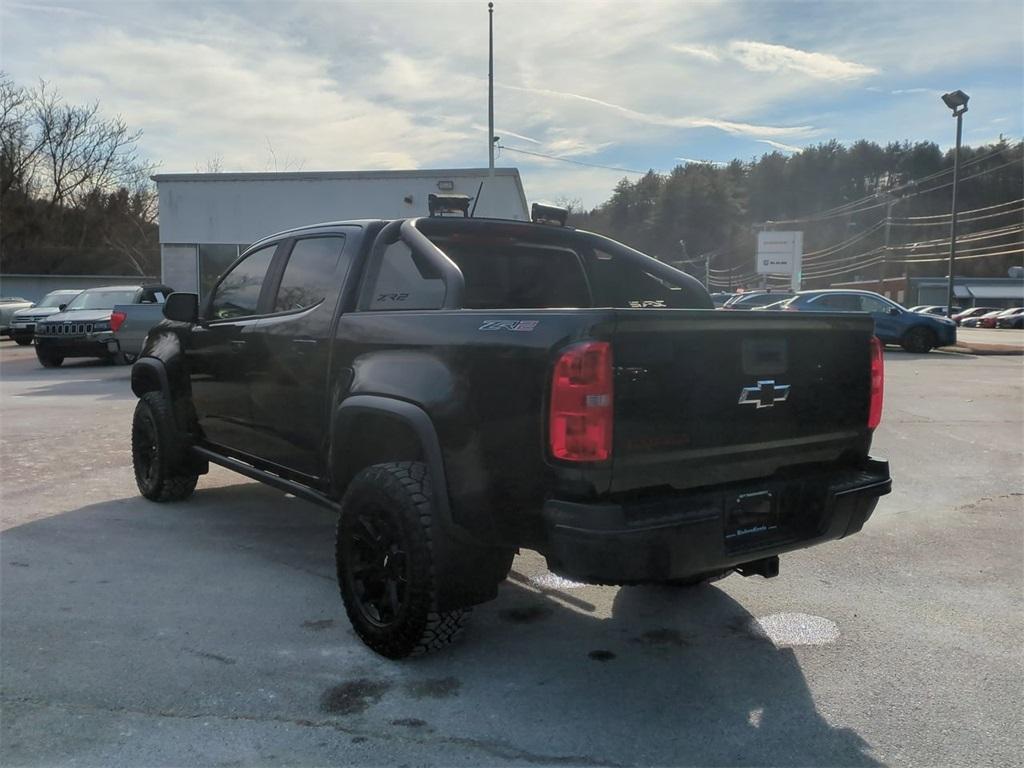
[304, 340]
[237, 345]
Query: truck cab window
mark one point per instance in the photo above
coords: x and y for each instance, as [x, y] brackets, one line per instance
[238, 294]
[312, 275]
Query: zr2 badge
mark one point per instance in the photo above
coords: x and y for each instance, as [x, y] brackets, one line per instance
[509, 325]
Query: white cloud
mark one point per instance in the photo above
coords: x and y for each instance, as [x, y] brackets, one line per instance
[237, 101]
[702, 52]
[766, 57]
[780, 145]
[503, 133]
[401, 85]
[729, 126]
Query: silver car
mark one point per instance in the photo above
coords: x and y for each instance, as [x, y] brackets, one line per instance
[8, 306]
[23, 324]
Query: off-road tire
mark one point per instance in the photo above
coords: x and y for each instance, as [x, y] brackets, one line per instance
[396, 497]
[919, 340]
[158, 452]
[48, 359]
[22, 342]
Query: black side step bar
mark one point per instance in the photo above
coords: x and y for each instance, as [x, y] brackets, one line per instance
[276, 481]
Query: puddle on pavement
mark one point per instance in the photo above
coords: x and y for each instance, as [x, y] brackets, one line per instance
[791, 629]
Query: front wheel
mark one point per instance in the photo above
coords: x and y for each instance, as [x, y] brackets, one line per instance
[158, 452]
[385, 562]
[21, 341]
[918, 340]
[48, 359]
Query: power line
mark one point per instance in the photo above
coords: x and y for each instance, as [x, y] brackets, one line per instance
[960, 220]
[943, 258]
[962, 213]
[851, 208]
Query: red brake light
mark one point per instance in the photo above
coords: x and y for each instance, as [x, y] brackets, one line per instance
[580, 422]
[877, 382]
[116, 318]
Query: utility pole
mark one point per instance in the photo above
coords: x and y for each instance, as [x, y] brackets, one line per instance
[956, 101]
[885, 253]
[490, 89]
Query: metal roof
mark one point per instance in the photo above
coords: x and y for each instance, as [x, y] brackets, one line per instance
[336, 175]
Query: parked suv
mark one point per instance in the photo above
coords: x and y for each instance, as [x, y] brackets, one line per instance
[23, 323]
[82, 328]
[914, 331]
[8, 306]
[455, 389]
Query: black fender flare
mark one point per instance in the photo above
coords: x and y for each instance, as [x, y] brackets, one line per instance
[413, 417]
[150, 369]
[467, 570]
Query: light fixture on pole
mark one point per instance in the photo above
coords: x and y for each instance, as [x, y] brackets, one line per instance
[490, 89]
[956, 101]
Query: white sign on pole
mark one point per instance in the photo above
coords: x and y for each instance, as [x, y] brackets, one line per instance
[780, 253]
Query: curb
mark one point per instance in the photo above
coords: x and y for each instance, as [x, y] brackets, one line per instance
[984, 349]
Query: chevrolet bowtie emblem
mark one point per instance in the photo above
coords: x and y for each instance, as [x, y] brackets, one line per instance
[764, 394]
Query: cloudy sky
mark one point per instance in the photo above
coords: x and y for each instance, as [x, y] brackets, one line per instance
[329, 85]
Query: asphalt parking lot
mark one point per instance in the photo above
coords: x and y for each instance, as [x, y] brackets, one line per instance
[211, 633]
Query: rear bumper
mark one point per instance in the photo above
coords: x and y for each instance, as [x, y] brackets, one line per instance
[682, 535]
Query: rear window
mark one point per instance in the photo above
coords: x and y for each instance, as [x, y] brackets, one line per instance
[509, 271]
[102, 299]
[520, 275]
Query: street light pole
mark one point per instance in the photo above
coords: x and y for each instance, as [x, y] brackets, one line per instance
[490, 89]
[957, 101]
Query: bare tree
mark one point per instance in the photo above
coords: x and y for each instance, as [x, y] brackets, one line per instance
[82, 151]
[213, 164]
[287, 164]
[19, 145]
[74, 189]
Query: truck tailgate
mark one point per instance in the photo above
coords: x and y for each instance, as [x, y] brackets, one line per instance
[711, 397]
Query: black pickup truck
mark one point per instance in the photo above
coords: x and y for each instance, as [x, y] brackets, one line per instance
[459, 388]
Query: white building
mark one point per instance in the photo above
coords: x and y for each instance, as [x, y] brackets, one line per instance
[207, 219]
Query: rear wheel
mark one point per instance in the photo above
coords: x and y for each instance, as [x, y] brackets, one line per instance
[919, 340]
[158, 452]
[48, 359]
[385, 562]
[21, 341]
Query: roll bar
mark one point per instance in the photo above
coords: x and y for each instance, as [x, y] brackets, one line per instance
[454, 282]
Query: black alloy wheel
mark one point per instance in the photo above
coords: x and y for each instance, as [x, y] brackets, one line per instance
[376, 565]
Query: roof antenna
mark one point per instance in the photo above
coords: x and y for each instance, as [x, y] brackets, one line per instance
[476, 199]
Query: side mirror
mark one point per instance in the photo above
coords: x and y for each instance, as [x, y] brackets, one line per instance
[182, 307]
[893, 311]
[62, 307]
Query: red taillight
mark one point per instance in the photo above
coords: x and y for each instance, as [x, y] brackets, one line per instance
[877, 382]
[116, 318]
[580, 423]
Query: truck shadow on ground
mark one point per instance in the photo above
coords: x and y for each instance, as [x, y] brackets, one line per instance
[232, 595]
